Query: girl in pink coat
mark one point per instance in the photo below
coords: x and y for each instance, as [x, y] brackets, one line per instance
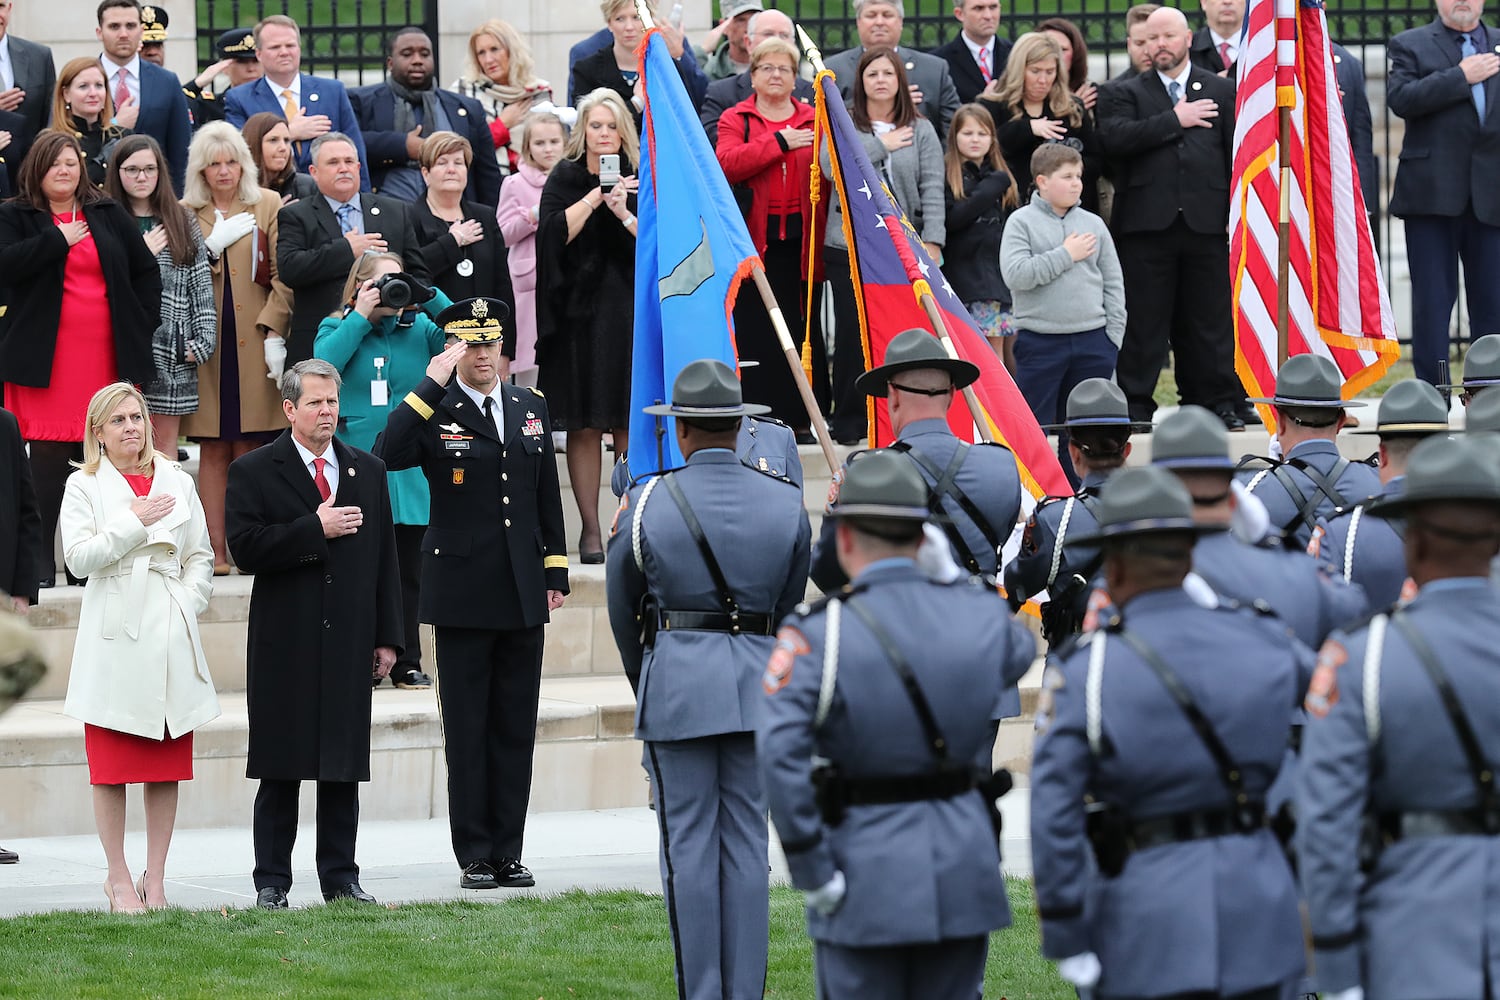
[541, 148]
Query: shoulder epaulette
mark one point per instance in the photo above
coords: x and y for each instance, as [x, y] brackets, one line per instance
[1363, 620]
[766, 419]
[537, 391]
[767, 473]
[993, 444]
[1248, 461]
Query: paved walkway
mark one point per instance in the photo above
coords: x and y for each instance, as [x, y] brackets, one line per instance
[400, 862]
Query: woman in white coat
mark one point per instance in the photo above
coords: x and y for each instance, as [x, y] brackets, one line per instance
[131, 522]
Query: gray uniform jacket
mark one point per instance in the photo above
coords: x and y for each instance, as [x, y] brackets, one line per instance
[696, 683]
[764, 444]
[1363, 550]
[1354, 484]
[1030, 572]
[1425, 921]
[964, 650]
[1216, 915]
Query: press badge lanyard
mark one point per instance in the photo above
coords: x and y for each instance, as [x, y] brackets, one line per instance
[380, 389]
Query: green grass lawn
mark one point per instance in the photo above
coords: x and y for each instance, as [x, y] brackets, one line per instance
[612, 945]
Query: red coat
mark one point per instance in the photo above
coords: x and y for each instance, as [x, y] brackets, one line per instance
[751, 155]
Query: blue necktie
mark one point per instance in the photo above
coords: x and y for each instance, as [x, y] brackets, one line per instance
[1174, 91]
[1467, 48]
[346, 219]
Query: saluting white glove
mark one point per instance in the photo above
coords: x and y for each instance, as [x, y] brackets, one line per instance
[935, 557]
[275, 357]
[829, 896]
[1352, 993]
[226, 231]
[1081, 971]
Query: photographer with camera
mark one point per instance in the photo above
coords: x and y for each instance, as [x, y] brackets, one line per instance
[381, 340]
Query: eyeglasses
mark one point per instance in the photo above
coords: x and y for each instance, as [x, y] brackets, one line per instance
[149, 171]
[770, 70]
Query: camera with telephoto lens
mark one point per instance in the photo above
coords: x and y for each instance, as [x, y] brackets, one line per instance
[400, 290]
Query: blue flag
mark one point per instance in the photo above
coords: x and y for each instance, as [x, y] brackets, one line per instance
[692, 251]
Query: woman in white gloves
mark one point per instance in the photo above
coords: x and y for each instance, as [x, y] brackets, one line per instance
[132, 524]
[239, 403]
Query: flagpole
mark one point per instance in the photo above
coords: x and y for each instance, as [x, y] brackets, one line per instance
[1286, 97]
[794, 361]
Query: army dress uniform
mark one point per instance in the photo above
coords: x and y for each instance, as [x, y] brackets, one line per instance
[694, 597]
[903, 823]
[493, 549]
[1190, 892]
[205, 104]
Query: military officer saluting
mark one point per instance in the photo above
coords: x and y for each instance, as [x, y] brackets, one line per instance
[1481, 368]
[1158, 738]
[1193, 444]
[494, 565]
[1099, 427]
[976, 487]
[694, 600]
[890, 685]
[1312, 479]
[1367, 550]
[1399, 837]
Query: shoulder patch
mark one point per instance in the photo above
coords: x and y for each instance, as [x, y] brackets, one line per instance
[614, 525]
[790, 644]
[1323, 690]
[1315, 543]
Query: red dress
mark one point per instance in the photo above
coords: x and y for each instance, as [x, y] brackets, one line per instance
[117, 758]
[84, 360]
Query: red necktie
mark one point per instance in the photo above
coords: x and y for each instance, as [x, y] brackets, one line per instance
[122, 88]
[319, 480]
[984, 65]
[1224, 54]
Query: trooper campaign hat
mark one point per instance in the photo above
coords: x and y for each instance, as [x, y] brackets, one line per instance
[1410, 407]
[1444, 468]
[1484, 413]
[1481, 364]
[237, 44]
[154, 21]
[910, 350]
[706, 388]
[1097, 402]
[1191, 438]
[1310, 381]
[475, 321]
[1142, 501]
[883, 483]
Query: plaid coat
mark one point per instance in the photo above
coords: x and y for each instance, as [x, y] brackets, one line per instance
[187, 336]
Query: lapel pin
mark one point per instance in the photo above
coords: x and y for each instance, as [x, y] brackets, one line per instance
[911, 65]
[375, 210]
[351, 472]
[313, 96]
[463, 112]
[1197, 85]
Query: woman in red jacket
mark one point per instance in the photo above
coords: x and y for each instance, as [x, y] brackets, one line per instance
[765, 148]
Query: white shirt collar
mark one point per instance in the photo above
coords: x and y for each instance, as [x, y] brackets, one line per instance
[975, 49]
[1233, 41]
[1181, 78]
[295, 87]
[479, 397]
[112, 68]
[307, 456]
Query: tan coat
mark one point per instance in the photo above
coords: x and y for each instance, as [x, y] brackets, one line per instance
[256, 311]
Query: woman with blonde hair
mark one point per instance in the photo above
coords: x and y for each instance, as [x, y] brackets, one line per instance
[502, 78]
[614, 67]
[140, 684]
[586, 297]
[239, 402]
[81, 104]
[1033, 105]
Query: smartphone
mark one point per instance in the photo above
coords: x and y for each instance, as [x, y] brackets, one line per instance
[675, 18]
[609, 170]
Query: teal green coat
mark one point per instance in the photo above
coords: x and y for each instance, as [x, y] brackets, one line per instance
[351, 345]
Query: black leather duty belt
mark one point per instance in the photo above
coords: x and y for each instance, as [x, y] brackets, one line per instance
[1200, 825]
[739, 623]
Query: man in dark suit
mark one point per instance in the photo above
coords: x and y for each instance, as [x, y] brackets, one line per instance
[12, 136]
[1171, 133]
[311, 518]
[494, 566]
[147, 98]
[1443, 82]
[879, 25]
[977, 56]
[320, 238]
[397, 115]
[27, 79]
[1216, 45]
[725, 94]
[312, 105]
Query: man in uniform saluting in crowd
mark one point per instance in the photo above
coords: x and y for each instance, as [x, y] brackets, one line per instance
[694, 599]
[494, 565]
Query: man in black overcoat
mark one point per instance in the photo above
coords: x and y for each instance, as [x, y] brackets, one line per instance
[311, 518]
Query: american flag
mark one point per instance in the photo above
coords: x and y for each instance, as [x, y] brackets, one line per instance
[1337, 302]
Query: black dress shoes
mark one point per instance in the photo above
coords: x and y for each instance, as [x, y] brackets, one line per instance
[1231, 419]
[411, 679]
[8, 857]
[271, 898]
[478, 875]
[510, 873]
[350, 891]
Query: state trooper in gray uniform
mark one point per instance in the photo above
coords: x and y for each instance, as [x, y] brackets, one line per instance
[1400, 819]
[1481, 369]
[1099, 428]
[1311, 479]
[694, 600]
[1158, 736]
[1193, 444]
[1368, 550]
[875, 746]
[977, 487]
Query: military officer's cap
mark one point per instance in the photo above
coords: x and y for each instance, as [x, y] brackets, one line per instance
[883, 483]
[154, 22]
[237, 44]
[475, 321]
[1191, 438]
[911, 350]
[706, 388]
[1097, 402]
[1410, 407]
[1444, 468]
[1481, 364]
[1484, 413]
[1142, 501]
[1309, 380]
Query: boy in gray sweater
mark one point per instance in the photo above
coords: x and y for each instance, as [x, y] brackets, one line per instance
[1069, 298]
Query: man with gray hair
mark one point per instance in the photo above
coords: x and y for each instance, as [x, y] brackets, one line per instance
[879, 24]
[726, 93]
[310, 517]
